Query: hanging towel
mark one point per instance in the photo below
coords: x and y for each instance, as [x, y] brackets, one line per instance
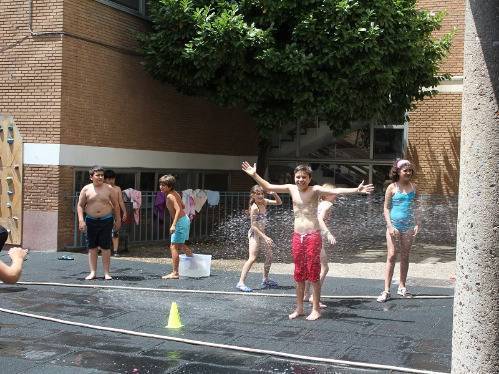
[159, 205]
[136, 198]
[189, 204]
[200, 198]
[213, 197]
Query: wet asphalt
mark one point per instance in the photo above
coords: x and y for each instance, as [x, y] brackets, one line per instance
[410, 333]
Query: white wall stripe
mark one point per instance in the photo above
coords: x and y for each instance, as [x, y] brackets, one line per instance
[85, 156]
[453, 85]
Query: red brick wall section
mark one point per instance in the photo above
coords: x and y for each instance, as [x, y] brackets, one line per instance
[67, 207]
[434, 140]
[30, 68]
[454, 18]
[41, 188]
[109, 100]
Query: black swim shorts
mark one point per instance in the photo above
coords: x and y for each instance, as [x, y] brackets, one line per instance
[99, 231]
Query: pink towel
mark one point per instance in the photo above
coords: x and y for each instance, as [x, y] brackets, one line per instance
[136, 198]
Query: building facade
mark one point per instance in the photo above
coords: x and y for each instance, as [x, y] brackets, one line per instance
[430, 137]
[72, 83]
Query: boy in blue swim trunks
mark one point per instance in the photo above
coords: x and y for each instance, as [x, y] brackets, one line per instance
[180, 223]
[96, 205]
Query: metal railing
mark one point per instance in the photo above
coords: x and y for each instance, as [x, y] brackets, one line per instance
[153, 227]
[356, 218]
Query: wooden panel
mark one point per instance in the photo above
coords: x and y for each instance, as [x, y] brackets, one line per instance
[11, 169]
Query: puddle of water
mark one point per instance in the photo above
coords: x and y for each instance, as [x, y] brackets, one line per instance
[25, 350]
[128, 278]
[109, 343]
[12, 289]
[116, 363]
[425, 361]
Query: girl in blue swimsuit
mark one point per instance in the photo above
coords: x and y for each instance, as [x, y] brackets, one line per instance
[402, 225]
[257, 237]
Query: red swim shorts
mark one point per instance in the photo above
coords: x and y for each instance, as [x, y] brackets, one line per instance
[306, 251]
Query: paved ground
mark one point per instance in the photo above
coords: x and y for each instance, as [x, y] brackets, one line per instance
[411, 333]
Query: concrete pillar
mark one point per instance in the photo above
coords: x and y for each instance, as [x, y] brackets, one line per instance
[475, 345]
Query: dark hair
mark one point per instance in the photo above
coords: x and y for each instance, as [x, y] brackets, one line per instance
[395, 170]
[4, 235]
[253, 190]
[306, 168]
[168, 180]
[109, 174]
[94, 169]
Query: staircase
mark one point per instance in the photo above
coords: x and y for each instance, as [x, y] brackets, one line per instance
[317, 141]
[311, 137]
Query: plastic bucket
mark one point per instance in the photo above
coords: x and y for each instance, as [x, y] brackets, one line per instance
[196, 266]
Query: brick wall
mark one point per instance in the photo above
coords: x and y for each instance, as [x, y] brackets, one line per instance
[109, 100]
[66, 207]
[435, 125]
[434, 140]
[41, 188]
[454, 18]
[101, 96]
[30, 68]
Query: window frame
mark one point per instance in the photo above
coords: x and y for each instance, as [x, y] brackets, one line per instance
[370, 162]
[140, 13]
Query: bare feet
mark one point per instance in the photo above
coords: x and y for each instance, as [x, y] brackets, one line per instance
[321, 305]
[296, 314]
[90, 276]
[314, 315]
[107, 277]
[170, 276]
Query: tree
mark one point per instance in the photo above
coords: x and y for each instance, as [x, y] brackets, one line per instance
[286, 60]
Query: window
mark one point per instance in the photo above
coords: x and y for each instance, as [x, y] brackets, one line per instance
[216, 182]
[148, 181]
[364, 153]
[388, 143]
[380, 177]
[82, 178]
[132, 4]
[125, 180]
[137, 7]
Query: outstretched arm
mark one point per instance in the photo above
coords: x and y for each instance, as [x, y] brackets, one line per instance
[251, 171]
[363, 189]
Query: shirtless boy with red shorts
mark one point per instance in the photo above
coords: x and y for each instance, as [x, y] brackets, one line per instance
[306, 241]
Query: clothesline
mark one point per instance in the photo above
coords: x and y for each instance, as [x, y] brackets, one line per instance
[193, 201]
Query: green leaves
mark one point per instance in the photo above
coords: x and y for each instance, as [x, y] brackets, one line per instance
[282, 60]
